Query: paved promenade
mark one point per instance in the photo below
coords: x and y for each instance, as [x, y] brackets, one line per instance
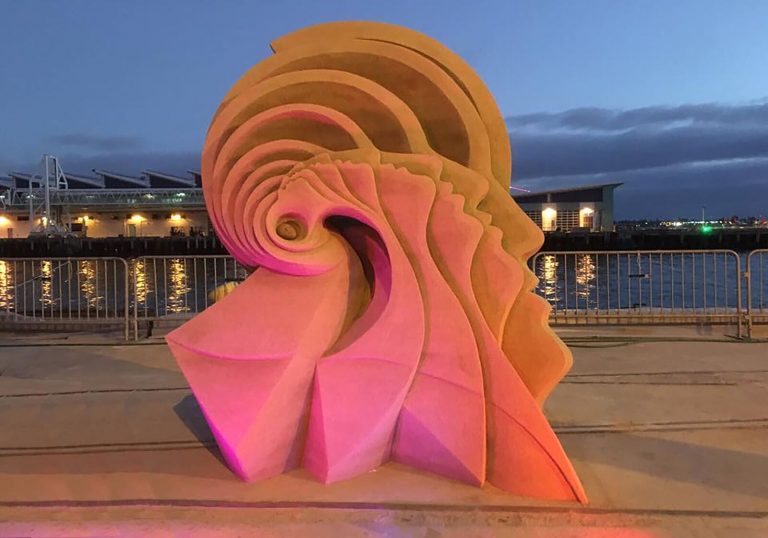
[99, 438]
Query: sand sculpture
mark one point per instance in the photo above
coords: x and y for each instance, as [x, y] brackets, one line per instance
[363, 169]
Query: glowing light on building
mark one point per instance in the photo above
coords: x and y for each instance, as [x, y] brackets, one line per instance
[4, 221]
[137, 219]
[549, 218]
[586, 217]
[176, 217]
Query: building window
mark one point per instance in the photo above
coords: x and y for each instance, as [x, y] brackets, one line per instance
[567, 219]
[535, 216]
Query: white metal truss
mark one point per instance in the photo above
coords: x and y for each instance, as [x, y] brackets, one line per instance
[44, 218]
[114, 198]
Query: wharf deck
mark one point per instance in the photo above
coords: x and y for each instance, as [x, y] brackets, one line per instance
[104, 439]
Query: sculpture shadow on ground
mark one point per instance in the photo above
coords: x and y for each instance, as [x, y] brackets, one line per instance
[84, 366]
[190, 414]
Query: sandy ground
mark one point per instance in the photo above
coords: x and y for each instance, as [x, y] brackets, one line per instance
[103, 439]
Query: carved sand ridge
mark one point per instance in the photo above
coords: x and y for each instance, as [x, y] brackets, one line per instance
[363, 170]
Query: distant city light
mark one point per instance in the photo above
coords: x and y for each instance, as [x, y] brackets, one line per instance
[706, 229]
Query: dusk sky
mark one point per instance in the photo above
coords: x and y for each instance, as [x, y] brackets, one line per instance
[668, 96]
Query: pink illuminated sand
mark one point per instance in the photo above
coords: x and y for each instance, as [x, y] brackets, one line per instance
[390, 314]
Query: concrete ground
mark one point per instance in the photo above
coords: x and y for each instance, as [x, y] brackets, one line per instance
[668, 430]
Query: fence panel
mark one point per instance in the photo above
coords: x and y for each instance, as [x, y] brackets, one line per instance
[64, 293]
[171, 289]
[586, 287]
[756, 276]
[678, 286]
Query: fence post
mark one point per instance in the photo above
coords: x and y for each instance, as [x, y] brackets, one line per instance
[748, 279]
[127, 297]
[738, 294]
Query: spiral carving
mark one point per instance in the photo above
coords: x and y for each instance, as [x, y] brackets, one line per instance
[363, 172]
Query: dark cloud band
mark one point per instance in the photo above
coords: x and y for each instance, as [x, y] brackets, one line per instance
[679, 157]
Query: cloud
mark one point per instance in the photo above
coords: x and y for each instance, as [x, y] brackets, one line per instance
[672, 159]
[602, 119]
[680, 157]
[85, 141]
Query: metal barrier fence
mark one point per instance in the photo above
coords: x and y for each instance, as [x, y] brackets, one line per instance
[63, 292]
[626, 287]
[641, 287]
[170, 289]
[756, 277]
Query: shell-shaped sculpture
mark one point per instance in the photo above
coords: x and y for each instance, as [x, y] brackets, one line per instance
[363, 171]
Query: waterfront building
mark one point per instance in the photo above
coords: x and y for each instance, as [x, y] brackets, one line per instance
[159, 204]
[586, 208]
[109, 204]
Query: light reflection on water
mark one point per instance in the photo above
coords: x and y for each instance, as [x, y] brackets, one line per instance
[140, 280]
[96, 287]
[570, 280]
[548, 277]
[585, 280]
[88, 283]
[168, 286]
[46, 288]
[669, 280]
[177, 287]
[7, 284]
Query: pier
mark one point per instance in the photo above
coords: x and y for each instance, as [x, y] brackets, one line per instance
[739, 239]
[661, 425]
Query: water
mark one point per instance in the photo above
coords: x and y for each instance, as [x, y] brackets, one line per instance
[177, 286]
[62, 289]
[703, 281]
[96, 289]
[181, 286]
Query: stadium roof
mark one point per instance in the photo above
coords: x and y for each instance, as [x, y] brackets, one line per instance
[106, 179]
[162, 180]
[74, 181]
[114, 180]
[198, 177]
